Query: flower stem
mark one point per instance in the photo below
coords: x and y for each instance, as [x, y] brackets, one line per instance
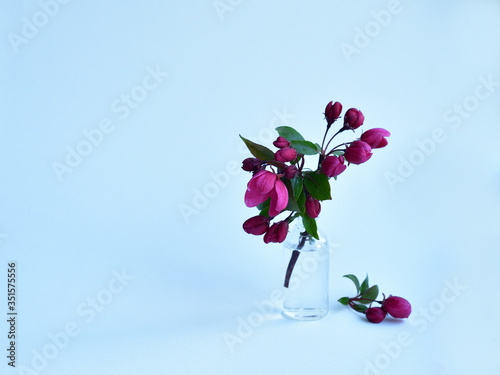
[324, 137]
[302, 161]
[323, 150]
[359, 298]
[293, 259]
[331, 139]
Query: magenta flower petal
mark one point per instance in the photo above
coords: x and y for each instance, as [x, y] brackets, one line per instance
[256, 225]
[332, 112]
[313, 207]
[397, 307]
[259, 188]
[382, 143]
[340, 169]
[332, 166]
[285, 154]
[290, 171]
[281, 142]
[253, 198]
[277, 232]
[262, 182]
[353, 118]
[282, 231]
[375, 137]
[279, 198]
[251, 164]
[375, 314]
[358, 152]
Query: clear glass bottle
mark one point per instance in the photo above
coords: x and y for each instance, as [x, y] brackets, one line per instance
[306, 265]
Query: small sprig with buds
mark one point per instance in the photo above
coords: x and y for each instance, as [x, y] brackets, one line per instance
[396, 307]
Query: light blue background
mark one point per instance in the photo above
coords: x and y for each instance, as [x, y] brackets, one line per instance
[196, 277]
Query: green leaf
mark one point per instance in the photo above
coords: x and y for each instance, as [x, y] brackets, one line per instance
[264, 212]
[360, 308]
[317, 185]
[364, 285]
[344, 300]
[310, 225]
[292, 203]
[301, 202]
[369, 295]
[289, 133]
[259, 151]
[264, 204]
[354, 280]
[338, 153]
[305, 147]
[297, 186]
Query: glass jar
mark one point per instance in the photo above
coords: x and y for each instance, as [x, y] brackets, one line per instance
[306, 264]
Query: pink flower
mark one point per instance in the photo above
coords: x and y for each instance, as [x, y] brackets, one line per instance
[277, 232]
[256, 225]
[397, 307]
[375, 137]
[358, 152]
[281, 142]
[375, 314]
[313, 207]
[332, 112]
[285, 154]
[353, 118]
[264, 185]
[332, 166]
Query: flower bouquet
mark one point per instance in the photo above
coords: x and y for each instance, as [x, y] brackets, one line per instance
[281, 184]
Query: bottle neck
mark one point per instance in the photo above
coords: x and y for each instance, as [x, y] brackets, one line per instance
[299, 239]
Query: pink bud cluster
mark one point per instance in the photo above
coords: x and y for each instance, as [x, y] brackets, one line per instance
[356, 152]
[259, 225]
[396, 307]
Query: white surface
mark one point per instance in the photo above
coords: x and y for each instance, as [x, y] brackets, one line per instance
[197, 279]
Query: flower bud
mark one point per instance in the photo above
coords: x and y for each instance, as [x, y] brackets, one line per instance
[277, 232]
[332, 112]
[313, 207]
[358, 152]
[353, 119]
[285, 154]
[281, 142]
[332, 166]
[375, 314]
[397, 307]
[375, 137]
[251, 164]
[290, 172]
[256, 225]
